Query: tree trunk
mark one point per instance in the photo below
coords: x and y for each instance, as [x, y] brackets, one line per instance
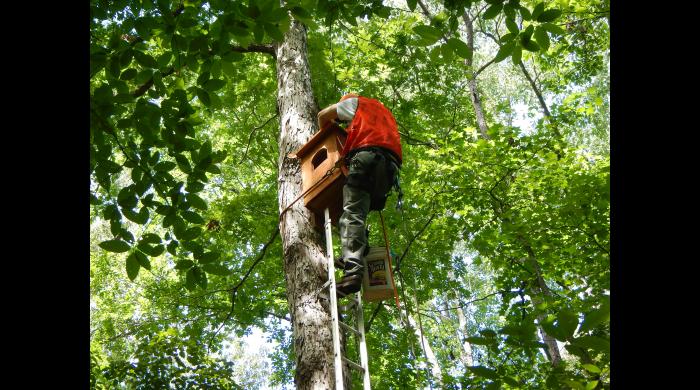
[465, 354]
[542, 290]
[471, 82]
[303, 248]
[429, 354]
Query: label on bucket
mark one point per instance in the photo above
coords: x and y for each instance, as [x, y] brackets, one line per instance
[377, 272]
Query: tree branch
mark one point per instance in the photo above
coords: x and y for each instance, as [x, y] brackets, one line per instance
[398, 262]
[234, 290]
[250, 137]
[462, 306]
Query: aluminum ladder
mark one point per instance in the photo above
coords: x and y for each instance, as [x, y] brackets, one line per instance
[359, 331]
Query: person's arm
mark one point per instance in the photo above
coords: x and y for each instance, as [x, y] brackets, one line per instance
[327, 116]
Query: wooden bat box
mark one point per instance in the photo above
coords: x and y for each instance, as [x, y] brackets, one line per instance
[318, 156]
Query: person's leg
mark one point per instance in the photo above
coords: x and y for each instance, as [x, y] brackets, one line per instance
[353, 238]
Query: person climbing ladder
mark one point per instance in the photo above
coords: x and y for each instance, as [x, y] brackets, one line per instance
[372, 159]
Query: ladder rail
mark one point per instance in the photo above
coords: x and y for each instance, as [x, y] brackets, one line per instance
[363, 345]
[359, 330]
[337, 362]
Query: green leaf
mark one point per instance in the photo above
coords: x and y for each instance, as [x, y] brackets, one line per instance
[191, 216]
[218, 156]
[504, 51]
[567, 321]
[213, 169]
[216, 269]
[542, 38]
[592, 342]
[460, 48]
[200, 277]
[429, 34]
[110, 166]
[145, 60]
[214, 84]
[273, 31]
[140, 217]
[228, 68]
[172, 247]
[184, 264]
[530, 45]
[525, 13]
[512, 26]
[183, 163]
[164, 59]
[553, 28]
[152, 251]
[537, 10]
[479, 340]
[526, 34]
[132, 267]
[591, 385]
[196, 201]
[549, 15]
[517, 54]
[190, 279]
[507, 37]
[117, 246]
[194, 186]
[191, 233]
[509, 10]
[203, 78]
[595, 317]
[150, 238]
[483, 371]
[446, 52]
[165, 166]
[128, 74]
[205, 150]
[142, 259]
[203, 96]
[574, 384]
[591, 368]
[382, 11]
[511, 381]
[493, 11]
[411, 4]
[488, 333]
[208, 257]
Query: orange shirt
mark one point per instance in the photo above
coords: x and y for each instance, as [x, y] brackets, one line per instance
[373, 125]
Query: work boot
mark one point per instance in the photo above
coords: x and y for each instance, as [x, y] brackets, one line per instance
[351, 282]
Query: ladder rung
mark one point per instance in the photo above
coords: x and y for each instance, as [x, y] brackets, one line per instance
[353, 364]
[348, 327]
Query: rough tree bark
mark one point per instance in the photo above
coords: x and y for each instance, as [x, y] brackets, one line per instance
[303, 248]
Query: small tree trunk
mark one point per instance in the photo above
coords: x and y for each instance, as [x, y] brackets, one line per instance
[471, 82]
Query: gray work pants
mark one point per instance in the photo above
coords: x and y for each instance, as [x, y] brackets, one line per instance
[364, 168]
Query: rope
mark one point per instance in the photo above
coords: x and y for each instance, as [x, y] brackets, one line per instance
[388, 256]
